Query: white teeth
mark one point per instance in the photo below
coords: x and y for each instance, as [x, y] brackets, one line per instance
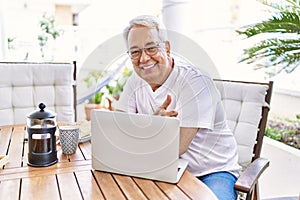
[147, 67]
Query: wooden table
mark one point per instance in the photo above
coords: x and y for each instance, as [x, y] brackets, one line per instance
[73, 177]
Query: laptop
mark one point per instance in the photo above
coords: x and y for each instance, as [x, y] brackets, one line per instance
[137, 145]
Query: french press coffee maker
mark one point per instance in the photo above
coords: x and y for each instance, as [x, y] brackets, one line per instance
[41, 127]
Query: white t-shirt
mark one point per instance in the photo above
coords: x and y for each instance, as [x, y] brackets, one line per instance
[198, 103]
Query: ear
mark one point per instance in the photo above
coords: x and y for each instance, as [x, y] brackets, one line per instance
[168, 48]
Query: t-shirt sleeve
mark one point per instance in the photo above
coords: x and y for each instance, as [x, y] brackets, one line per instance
[197, 102]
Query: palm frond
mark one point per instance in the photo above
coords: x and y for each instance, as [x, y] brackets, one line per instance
[282, 50]
[275, 52]
[282, 23]
[287, 6]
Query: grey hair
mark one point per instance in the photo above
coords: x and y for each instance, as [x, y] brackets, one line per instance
[147, 21]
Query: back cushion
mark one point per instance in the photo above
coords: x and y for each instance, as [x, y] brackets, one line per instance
[24, 85]
[243, 104]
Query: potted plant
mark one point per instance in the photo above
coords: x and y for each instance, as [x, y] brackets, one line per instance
[95, 101]
[48, 30]
[110, 92]
[115, 88]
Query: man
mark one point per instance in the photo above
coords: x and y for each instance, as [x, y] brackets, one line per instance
[164, 86]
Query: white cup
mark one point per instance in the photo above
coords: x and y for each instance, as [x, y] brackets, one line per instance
[69, 137]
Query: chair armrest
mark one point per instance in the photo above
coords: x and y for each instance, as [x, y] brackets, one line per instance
[250, 175]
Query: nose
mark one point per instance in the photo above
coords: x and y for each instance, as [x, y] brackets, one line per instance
[144, 57]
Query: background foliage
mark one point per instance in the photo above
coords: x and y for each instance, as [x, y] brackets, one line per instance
[279, 48]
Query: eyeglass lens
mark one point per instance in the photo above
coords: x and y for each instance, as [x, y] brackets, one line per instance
[150, 51]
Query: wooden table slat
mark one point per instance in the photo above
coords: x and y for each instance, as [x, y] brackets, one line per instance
[150, 189]
[86, 149]
[129, 187]
[66, 158]
[68, 186]
[190, 185]
[9, 189]
[5, 133]
[88, 185]
[41, 187]
[172, 191]
[27, 172]
[108, 186]
[15, 151]
[25, 154]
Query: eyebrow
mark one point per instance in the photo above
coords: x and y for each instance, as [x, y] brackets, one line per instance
[147, 44]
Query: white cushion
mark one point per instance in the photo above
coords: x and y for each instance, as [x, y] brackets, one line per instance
[243, 106]
[24, 85]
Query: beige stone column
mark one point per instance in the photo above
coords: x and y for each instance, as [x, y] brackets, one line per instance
[176, 15]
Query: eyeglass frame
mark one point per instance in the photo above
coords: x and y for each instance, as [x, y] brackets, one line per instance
[140, 50]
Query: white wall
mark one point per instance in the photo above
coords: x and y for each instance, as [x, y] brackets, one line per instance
[285, 104]
[2, 34]
[282, 177]
[20, 21]
[103, 20]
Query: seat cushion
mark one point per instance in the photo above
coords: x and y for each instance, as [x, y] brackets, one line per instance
[24, 85]
[243, 104]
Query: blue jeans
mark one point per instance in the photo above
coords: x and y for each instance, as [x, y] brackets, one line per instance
[222, 184]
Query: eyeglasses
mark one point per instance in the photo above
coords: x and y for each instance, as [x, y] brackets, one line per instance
[136, 53]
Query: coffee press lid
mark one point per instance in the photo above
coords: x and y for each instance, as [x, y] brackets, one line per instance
[42, 113]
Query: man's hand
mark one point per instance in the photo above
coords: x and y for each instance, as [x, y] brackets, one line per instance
[162, 110]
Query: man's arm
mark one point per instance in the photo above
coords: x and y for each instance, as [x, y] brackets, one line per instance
[186, 133]
[186, 136]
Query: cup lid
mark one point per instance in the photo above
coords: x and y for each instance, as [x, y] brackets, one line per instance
[42, 113]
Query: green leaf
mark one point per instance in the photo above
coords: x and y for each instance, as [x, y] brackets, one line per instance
[281, 51]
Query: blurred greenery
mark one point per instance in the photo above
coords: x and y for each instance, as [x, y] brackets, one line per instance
[48, 29]
[280, 50]
[97, 98]
[92, 78]
[273, 133]
[285, 130]
[113, 89]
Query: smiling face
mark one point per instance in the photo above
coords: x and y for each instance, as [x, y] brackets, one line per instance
[156, 68]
